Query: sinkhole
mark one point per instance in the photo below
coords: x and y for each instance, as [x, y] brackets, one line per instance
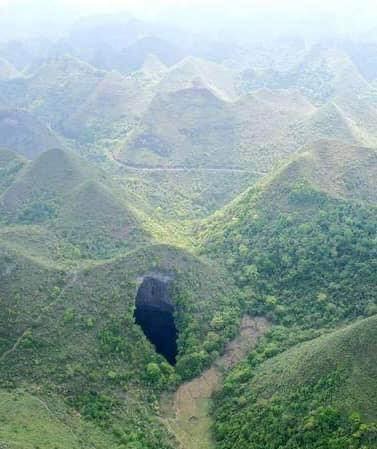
[154, 313]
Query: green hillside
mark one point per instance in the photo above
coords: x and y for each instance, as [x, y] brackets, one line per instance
[322, 73]
[98, 223]
[182, 195]
[29, 421]
[194, 127]
[75, 203]
[320, 394]
[187, 128]
[114, 376]
[302, 243]
[10, 165]
[23, 133]
[51, 175]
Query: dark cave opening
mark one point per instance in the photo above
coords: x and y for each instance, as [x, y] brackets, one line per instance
[154, 313]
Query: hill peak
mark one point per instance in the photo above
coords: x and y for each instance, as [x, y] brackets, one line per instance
[153, 65]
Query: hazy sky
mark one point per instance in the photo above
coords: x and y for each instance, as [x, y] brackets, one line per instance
[342, 7]
[343, 15]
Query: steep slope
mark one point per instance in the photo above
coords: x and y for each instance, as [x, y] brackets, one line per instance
[318, 394]
[7, 70]
[263, 122]
[328, 72]
[322, 73]
[302, 243]
[328, 122]
[96, 221]
[361, 112]
[23, 133]
[341, 170]
[192, 72]
[116, 103]
[195, 128]
[153, 66]
[52, 174]
[10, 164]
[70, 199]
[186, 128]
[59, 88]
[29, 420]
[132, 57]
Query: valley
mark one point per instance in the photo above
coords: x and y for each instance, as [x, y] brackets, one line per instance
[187, 412]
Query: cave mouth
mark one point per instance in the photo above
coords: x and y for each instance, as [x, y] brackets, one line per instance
[154, 313]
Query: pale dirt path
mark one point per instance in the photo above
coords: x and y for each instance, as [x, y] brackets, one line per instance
[180, 168]
[186, 413]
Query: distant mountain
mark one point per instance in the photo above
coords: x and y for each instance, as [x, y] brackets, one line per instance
[7, 70]
[23, 133]
[133, 56]
[323, 73]
[115, 104]
[363, 55]
[194, 127]
[25, 53]
[81, 102]
[153, 66]
[195, 72]
[122, 43]
[59, 88]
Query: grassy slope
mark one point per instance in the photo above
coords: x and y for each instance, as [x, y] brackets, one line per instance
[75, 202]
[315, 395]
[23, 133]
[10, 165]
[29, 421]
[182, 195]
[193, 127]
[79, 101]
[323, 73]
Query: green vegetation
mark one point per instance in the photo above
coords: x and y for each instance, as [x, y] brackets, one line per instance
[319, 394]
[29, 421]
[24, 133]
[10, 165]
[300, 254]
[135, 169]
[74, 202]
[302, 247]
[113, 377]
